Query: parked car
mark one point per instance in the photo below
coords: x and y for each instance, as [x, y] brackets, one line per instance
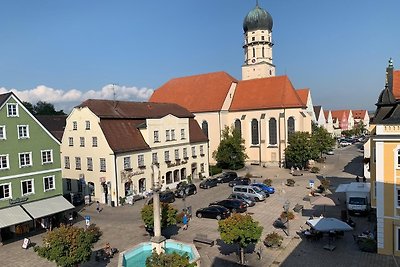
[226, 177]
[186, 189]
[165, 197]
[234, 205]
[239, 181]
[214, 212]
[208, 183]
[250, 191]
[265, 188]
[345, 143]
[250, 202]
[330, 152]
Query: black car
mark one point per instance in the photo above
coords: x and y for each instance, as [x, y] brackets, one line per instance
[239, 181]
[214, 212]
[227, 177]
[186, 190]
[234, 205]
[208, 183]
[165, 197]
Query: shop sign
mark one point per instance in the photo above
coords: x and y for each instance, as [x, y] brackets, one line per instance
[18, 200]
[127, 175]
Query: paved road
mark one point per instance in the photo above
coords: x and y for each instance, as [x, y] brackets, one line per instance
[123, 228]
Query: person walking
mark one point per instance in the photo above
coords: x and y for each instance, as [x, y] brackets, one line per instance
[185, 221]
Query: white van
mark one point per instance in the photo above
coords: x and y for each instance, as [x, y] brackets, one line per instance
[250, 191]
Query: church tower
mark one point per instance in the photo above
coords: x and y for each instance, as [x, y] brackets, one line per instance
[257, 27]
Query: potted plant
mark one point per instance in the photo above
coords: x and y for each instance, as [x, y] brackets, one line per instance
[290, 182]
[325, 183]
[273, 240]
[268, 182]
[315, 170]
[287, 215]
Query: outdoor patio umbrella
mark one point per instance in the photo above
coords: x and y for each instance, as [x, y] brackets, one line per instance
[323, 201]
[328, 225]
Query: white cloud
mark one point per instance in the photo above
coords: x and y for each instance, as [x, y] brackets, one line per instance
[66, 100]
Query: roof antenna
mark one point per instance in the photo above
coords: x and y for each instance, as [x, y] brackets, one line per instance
[114, 96]
[256, 2]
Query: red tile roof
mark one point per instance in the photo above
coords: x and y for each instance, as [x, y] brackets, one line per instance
[396, 84]
[120, 121]
[303, 94]
[55, 124]
[265, 93]
[123, 135]
[198, 93]
[359, 114]
[134, 110]
[339, 114]
[196, 134]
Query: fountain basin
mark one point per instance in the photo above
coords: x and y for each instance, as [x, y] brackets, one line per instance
[137, 255]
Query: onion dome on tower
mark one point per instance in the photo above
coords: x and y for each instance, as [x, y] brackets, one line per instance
[257, 19]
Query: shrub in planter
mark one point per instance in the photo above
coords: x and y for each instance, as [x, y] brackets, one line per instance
[315, 170]
[287, 215]
[273, 240]
[325, 183]
[268, 182]
[95, 231]
[290, 182]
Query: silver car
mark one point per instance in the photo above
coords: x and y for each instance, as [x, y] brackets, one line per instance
[250, 202]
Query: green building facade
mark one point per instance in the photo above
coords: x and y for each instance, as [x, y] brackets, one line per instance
[30, 170]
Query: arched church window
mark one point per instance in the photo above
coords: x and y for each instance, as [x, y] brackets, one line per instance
[254, 52]
[290, 125]
[263, 51]
[254, 132]
[273, 139]
[238, 126]
[204, 127]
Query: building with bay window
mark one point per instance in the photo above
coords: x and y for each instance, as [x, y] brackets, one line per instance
[116, 149]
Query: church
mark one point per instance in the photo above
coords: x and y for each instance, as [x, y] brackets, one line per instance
[264, 107]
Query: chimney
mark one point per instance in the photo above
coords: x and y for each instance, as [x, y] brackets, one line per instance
[389, 75]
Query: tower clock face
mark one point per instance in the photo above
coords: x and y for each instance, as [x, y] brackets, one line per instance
[253, 60]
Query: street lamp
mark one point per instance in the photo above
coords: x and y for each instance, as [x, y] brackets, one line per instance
[286, 209]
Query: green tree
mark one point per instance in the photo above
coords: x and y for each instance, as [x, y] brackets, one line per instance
[240, 229]
[29, 107]
[68, 246]
[322, 140]
[300, 149]
[42, 108]
[168, 215]
[168, 260]
[231, 150]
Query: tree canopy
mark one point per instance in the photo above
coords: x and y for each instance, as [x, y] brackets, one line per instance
[240, 229]
[322, 139]
[42, 108]
[300, 149]
[68, 246]
[230, 153]
[168, 215]
[168, 260]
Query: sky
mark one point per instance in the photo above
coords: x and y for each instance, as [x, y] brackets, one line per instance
[66, 51]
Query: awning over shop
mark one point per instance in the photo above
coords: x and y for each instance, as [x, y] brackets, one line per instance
[13, 215]
[48, 206]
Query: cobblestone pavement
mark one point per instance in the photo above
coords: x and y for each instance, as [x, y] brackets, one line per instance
[123, 228]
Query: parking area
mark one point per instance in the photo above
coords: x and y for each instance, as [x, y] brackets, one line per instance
[122, 226]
